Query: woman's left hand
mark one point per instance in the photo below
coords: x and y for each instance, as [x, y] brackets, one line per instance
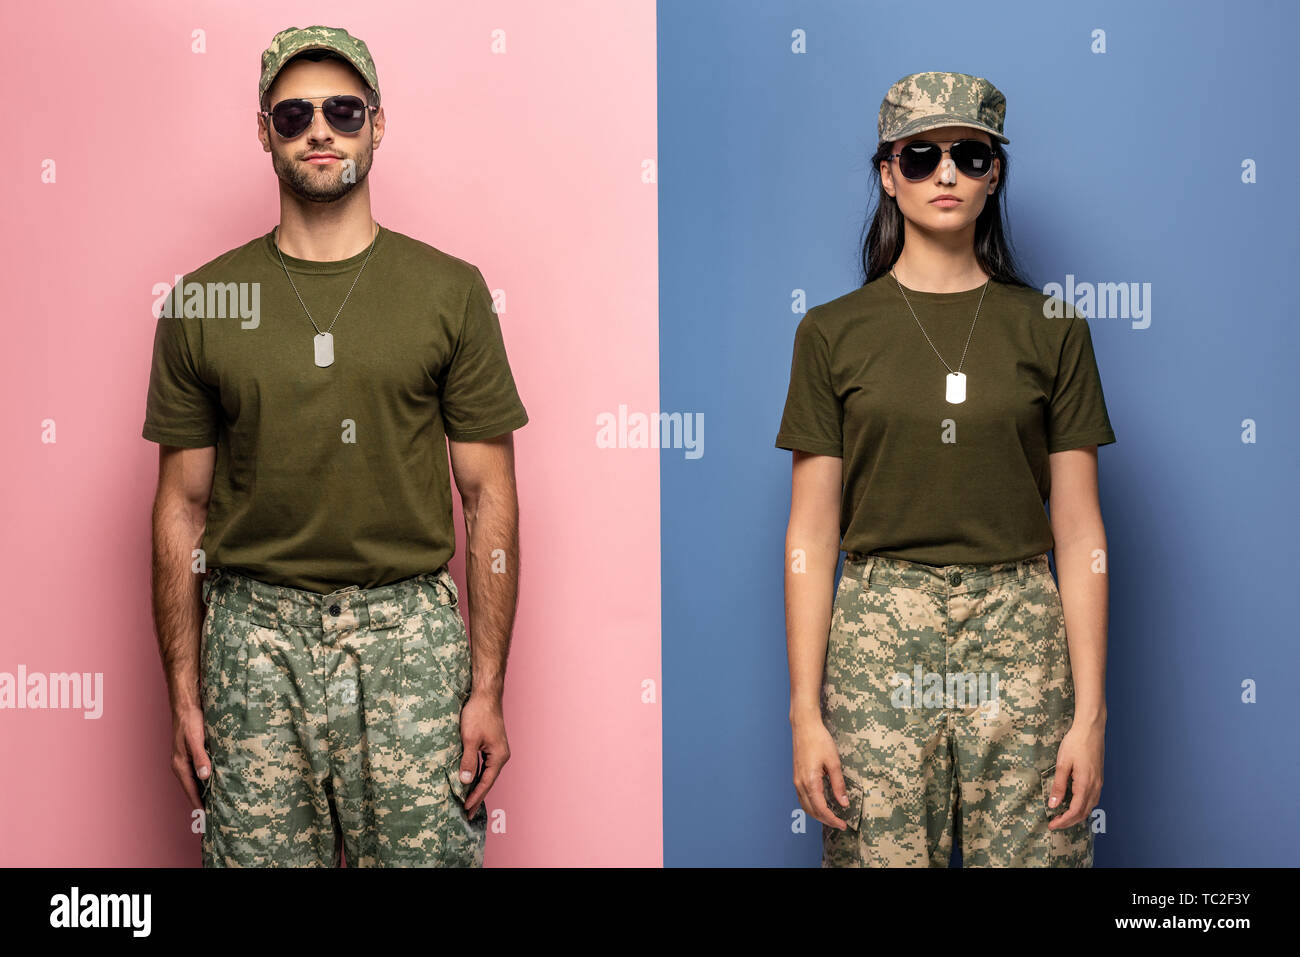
[1079, 765]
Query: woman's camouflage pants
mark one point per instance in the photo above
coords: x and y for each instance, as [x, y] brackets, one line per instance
[948, 691]
[333, 724]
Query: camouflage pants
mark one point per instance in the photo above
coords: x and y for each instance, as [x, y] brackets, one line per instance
[333, 723]
[947, 691]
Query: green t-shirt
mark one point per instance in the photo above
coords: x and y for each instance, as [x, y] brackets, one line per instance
[926, 480]
[334, 476]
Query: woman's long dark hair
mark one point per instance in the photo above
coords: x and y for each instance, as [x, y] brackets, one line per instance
[882, 234]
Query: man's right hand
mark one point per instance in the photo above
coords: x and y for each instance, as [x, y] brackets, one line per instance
[189, 759]
[816, 756]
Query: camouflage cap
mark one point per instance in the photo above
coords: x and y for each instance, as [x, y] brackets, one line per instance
[927, 101]
[289, 42]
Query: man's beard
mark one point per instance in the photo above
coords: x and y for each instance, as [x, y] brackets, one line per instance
[305, 185]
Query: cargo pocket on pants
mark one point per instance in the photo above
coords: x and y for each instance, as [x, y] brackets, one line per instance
[1066, 847]
[851, 815]
[463, 838]
[460, 790]
[869, 839]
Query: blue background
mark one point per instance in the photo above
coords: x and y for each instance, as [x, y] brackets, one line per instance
[1125, 166]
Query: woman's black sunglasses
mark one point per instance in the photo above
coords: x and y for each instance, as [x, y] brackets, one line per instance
[920, 158]
[345, 113]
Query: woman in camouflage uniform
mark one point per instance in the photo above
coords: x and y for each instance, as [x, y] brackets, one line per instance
[940, 699]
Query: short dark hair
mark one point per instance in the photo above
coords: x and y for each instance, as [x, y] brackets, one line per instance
[316, 56]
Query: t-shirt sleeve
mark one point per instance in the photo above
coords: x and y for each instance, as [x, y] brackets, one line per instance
[1077, 415]
[479, 399]
[813, 417]
[180, 409]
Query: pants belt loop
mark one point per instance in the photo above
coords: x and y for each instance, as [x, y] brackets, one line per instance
[449, 586]
[209, 583]
[262, 596]
[866, 572]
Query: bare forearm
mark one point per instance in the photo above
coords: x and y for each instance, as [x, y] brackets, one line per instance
[810, 560]
[1083, 574]
[492, 573]
[177, 606]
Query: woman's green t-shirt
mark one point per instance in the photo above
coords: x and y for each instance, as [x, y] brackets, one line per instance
[927, 480]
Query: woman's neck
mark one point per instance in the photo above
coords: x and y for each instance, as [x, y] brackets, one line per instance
[939, 270]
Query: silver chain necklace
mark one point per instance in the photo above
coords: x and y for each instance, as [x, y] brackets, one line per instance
[955, 381]
[324, 341]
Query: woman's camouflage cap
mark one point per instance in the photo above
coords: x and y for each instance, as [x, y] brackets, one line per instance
[927, 101]
[289, 42]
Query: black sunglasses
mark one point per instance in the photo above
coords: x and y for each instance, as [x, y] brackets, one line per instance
[920, 158]
[346, 113]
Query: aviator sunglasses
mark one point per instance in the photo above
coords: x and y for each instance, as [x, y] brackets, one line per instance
[920, 158]
[346, 113]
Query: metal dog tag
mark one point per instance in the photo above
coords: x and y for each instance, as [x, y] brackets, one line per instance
[956, 387]
[324, 343]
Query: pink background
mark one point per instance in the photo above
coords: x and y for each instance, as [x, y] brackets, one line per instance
[527, 164]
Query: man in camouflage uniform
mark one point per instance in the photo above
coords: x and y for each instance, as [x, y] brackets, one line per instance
[328, 705]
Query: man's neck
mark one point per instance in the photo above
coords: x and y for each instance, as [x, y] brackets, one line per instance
[326, 232]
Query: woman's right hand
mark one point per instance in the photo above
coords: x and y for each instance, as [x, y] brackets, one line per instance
[815, 756]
